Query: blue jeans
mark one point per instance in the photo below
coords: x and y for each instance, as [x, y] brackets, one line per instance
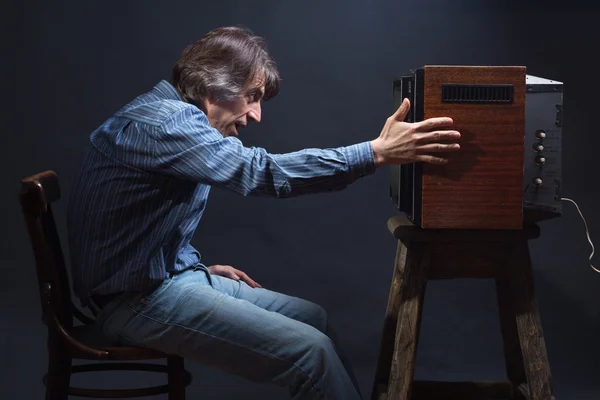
[253, 333]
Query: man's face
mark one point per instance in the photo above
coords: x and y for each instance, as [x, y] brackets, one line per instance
[228, 116]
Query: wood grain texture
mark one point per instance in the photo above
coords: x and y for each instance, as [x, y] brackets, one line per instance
[529, 326]
[386, 350]
[481, 187]
[409, 322]
[404, 230]
[513, 357]
[426, 254]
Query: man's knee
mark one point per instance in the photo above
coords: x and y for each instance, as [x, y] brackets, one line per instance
[318, 347]
[317, 316]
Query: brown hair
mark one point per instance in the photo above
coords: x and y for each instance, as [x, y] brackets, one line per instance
[221, 64]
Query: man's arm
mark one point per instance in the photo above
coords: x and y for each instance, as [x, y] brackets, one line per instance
[185, 146]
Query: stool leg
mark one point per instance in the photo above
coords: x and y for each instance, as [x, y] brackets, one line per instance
[59, 371]
[175, 367]
[409, 321]
[386, 349]
[528, 323]
[515, 370]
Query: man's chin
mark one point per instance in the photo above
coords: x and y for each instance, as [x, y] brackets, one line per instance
[229, 131]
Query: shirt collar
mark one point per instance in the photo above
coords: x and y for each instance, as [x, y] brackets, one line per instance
[167, 91]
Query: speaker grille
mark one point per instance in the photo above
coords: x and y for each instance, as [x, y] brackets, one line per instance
[460, 93]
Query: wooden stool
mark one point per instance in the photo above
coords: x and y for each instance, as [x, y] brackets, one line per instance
[446, 254]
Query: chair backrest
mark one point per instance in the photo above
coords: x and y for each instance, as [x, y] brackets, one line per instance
[36, 196]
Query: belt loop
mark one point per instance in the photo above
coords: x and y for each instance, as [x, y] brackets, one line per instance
[204, 268]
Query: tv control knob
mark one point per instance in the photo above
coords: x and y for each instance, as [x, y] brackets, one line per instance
[537, 181]
[538, 147]
[540, 159]
[540, 134]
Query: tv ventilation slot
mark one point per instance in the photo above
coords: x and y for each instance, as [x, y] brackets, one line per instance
[494, 94]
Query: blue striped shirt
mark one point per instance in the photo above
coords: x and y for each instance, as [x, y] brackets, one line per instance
[145, 177]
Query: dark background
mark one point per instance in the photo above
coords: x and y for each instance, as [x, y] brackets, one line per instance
[69, 64]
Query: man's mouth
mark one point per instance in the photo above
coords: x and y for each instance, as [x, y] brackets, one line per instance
[236, 127]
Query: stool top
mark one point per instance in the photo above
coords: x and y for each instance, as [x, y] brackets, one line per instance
[403, 229]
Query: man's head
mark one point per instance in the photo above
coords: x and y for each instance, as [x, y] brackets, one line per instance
[226, 74]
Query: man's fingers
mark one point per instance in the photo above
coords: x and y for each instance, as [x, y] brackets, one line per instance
[437, 148]
[438, 136]
[401, 112]
[251, 282]
[232, 273]
[432, 159]
[248, 280]
[433, 124]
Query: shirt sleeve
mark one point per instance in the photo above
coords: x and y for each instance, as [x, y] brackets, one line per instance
[185, 146]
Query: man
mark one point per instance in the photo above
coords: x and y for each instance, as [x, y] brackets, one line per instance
[141, 191]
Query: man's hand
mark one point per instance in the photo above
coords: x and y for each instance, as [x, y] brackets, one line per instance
[402, 142]
[229, 272]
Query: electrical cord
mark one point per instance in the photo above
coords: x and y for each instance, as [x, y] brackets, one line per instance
[587, 232]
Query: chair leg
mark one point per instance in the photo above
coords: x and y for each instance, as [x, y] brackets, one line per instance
[176, 371]
[58, 377]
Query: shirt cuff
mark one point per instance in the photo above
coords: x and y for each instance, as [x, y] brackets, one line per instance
[360, 160]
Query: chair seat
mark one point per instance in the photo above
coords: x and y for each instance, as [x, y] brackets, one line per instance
[91, 335]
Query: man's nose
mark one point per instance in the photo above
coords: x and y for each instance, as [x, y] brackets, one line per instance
[255, 111]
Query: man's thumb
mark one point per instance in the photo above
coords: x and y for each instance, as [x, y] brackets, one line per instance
[401, 112]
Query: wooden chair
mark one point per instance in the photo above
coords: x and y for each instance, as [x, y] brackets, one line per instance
[65, 340]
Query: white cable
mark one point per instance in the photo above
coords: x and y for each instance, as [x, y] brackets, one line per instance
[587, 232]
